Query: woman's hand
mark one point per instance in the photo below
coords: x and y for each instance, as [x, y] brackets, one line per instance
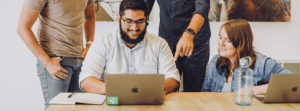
[262, 89]
[257, 90]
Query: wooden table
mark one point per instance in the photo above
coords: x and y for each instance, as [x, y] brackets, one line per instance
[188, 101]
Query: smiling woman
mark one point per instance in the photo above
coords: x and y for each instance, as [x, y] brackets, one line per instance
[236, 42]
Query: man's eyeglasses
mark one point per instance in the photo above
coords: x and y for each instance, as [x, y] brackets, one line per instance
[139, 23]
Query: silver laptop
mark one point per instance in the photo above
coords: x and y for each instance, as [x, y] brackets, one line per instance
[134, 89]
[283, 88]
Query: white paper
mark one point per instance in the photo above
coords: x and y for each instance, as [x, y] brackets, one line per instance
[62, 98]
[93, 97]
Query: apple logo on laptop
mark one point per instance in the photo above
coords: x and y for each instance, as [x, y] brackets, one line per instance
[295, 89]
[134, 90]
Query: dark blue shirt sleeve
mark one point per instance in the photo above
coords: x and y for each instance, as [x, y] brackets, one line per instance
[149, 4]
[202, 7]
[273, 67]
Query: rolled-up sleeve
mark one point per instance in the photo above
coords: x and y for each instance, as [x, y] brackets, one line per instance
[202, 7]
[273, 67]
[94, 62]
[167, 64]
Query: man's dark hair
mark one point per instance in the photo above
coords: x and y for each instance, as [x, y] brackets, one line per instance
[134, 5]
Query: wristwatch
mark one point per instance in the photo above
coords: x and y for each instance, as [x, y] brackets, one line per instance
[89, 42]
[191, 31]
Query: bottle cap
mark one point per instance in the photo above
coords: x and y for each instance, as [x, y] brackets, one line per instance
[244, 62]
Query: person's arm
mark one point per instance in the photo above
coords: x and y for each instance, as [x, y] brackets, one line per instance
[89, 26]
[167, 66]
[171, 85]
[270, 67]
[211, 70]
[262, 89]
[27, 18]
[93, 67]
[206, 87]
[185, 45]
[149, 4]
[93, 85]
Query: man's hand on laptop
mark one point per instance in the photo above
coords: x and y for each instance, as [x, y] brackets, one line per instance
[54, 68]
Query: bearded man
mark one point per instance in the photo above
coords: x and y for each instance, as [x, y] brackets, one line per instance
[129, 50]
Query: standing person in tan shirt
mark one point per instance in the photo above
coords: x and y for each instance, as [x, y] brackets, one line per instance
[58, 44]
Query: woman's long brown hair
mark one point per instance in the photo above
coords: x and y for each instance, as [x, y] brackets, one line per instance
[240, 34]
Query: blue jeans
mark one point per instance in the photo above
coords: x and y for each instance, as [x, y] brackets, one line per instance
[51, 87]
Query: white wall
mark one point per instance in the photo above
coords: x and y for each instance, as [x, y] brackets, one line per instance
[20, 86]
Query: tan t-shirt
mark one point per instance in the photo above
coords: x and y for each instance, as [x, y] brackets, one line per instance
[60, 31]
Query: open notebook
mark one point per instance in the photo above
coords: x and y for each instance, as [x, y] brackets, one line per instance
[78, 98]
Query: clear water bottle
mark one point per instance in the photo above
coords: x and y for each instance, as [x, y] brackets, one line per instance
[243, 83]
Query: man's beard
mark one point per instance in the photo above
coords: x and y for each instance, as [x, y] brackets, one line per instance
[127, 39]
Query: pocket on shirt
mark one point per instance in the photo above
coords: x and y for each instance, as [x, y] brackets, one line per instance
[146, 68]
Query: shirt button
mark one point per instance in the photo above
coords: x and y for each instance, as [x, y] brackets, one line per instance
[131, 51]
[130, 65]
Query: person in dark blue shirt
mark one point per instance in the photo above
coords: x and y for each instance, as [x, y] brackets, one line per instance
[185, 26]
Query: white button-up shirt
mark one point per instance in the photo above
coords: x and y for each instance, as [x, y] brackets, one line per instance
[110, 55]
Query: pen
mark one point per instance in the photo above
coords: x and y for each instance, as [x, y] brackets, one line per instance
[71, 95]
